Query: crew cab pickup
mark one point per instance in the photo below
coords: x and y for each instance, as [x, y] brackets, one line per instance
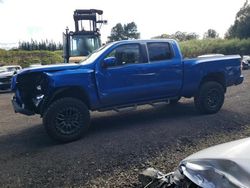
[120, 75]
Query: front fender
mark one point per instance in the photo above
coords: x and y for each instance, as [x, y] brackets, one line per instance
[80, 78]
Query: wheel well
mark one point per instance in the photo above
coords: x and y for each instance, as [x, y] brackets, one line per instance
[216, 77]
[74, 92]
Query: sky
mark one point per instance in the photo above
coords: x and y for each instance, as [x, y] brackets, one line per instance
[22, 20]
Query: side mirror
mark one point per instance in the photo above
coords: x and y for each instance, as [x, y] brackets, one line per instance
[109, 62]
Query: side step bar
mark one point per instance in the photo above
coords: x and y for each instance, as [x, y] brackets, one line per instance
[132, 107]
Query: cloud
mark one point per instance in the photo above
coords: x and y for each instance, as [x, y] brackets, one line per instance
[1, 1]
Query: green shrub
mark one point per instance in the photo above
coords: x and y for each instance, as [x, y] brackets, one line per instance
[26, 58]
[194, 48]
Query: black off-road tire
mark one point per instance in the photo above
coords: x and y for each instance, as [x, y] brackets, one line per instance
[66, 119]
[209, 98]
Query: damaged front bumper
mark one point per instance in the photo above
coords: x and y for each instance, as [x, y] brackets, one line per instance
[20, 108]
[239, 80]
[29, 94]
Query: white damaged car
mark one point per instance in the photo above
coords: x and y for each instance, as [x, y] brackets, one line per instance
[222, 166]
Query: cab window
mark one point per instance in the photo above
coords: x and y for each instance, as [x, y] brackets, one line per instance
[126, 54]
[159, 51]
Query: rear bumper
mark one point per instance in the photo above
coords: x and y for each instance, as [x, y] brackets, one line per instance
[239, 80]
[19, 109]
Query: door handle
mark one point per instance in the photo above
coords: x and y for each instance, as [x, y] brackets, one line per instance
[146, 74]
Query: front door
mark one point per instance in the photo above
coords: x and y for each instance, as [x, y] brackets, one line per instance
[120, 83]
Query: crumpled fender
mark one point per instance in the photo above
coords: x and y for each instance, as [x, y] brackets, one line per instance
[82, 78]
[224, 165]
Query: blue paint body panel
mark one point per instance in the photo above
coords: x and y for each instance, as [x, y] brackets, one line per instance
[132, 83]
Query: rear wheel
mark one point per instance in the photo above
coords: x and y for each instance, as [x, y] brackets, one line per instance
[210, 97]
[66, 119]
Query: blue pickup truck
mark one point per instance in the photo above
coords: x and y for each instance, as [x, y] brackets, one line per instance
[120, 75]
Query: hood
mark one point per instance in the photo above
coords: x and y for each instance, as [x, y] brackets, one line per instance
[6, 74]
[224, 165]
[50, 68]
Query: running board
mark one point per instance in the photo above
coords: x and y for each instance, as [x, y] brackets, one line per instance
[122, 109]
[133, 107]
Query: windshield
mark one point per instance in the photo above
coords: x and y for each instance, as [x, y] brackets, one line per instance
[11, 69]
[91, 58]
[83, 45]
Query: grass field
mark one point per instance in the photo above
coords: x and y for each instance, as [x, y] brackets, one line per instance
[25, 58]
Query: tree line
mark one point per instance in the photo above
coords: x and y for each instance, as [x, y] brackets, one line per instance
[130, 31]
[241, 27]
[124, 32]
[41, 45]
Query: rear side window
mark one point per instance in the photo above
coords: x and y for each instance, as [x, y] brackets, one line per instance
[159, 51]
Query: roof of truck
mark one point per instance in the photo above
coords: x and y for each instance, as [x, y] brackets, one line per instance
[145, 40]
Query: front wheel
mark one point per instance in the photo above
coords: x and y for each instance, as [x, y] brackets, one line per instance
[210, 97]
[66, 119]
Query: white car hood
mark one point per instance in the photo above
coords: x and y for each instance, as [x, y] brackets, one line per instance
[6, 74]
[225, 165]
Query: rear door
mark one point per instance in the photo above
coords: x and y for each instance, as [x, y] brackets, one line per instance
[163, 74]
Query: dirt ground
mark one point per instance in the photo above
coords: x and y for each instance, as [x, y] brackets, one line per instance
[118, 145]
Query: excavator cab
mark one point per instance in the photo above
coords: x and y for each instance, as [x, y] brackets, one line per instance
[78, 44]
